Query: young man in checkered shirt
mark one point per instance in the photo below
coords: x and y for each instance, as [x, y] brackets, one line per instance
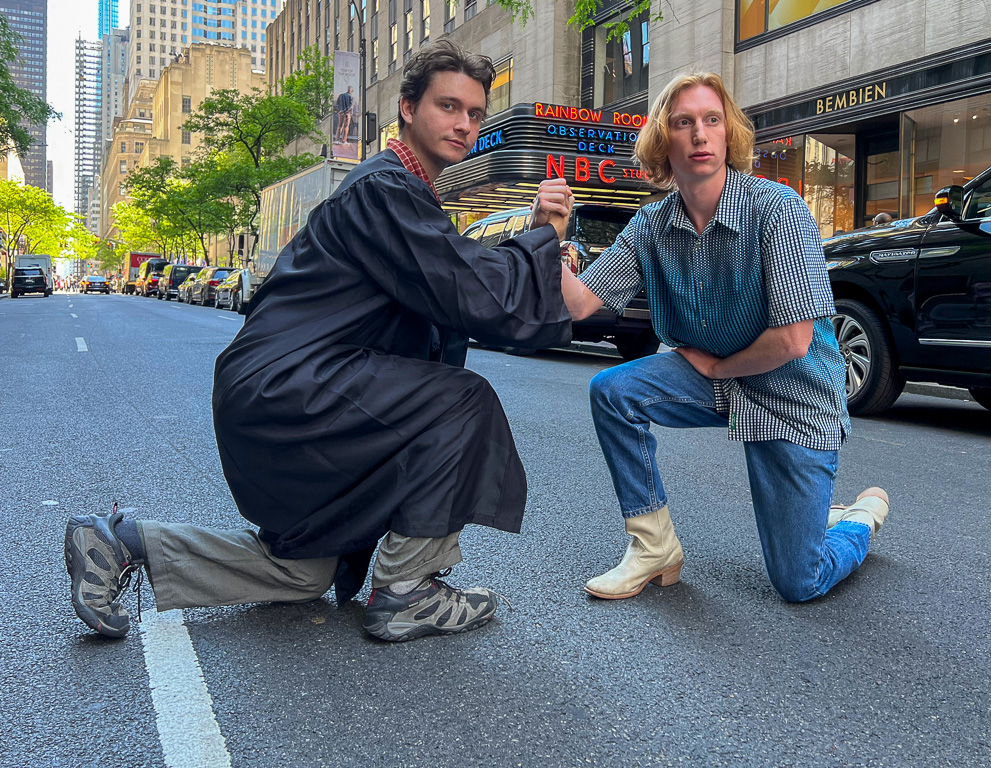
[734, 271]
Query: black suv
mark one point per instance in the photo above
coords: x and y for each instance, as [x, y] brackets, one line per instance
[591, 230]
[172, 277]
[913, 300]
[29, 280]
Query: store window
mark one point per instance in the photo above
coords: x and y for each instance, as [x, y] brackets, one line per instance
[622, 64]
[500, 94]
[944, 144]
[820, 167]
[388, 131]
[755, 17]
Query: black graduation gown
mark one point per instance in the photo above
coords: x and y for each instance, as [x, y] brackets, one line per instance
[342, 408]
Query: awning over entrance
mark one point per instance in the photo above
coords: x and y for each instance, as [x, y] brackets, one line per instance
[517, 149]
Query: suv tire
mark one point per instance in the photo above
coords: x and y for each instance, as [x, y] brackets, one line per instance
[236, 302]
[982, 395]
[635, 346]
[872, 380]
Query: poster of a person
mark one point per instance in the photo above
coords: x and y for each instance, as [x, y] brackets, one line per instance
[347, 105]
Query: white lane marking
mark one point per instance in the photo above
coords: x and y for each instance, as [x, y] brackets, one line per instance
[225, 317]
[70, 306]
[81, 344]
[187, 726]
[73, 314]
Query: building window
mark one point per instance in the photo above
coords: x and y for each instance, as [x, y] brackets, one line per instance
[470, 9]
[755, 17]
[408, 41]
[449, 8]
[393, 44]
[187, 137]
[624, 71]
[123, 146]
[500, 95]
[375, 57]
[424, 20]
[187, 104]
[123, 166]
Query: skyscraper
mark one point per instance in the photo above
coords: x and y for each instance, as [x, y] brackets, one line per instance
[29, 18]
[108, 17]
[162, 30]
[89, 123]
[113, 73]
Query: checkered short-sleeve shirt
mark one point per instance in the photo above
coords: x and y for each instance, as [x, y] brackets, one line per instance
[758, 264]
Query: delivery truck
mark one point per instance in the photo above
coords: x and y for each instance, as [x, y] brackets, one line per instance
[135, 260]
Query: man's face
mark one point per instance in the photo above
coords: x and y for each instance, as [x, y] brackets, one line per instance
[697, 130]
[442, 127]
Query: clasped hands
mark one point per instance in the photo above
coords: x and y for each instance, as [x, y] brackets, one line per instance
[552, 205]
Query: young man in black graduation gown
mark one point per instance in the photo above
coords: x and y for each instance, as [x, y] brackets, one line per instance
[343, 411]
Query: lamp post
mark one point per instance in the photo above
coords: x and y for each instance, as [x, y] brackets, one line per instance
[362, 140]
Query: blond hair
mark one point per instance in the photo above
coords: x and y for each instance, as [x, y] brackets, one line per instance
[654, 141]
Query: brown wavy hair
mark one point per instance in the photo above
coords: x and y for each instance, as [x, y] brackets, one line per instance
[444, 55]
[654, 141]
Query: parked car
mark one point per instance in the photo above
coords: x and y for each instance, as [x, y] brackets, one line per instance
[149, 273]
[182, 292]
[913, 300]
[591, 230]
[94, 284]
[172, 277]
[231, 292]
[204, 288]
[29, 280]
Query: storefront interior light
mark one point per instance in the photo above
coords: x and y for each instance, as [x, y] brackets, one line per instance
[956, 119]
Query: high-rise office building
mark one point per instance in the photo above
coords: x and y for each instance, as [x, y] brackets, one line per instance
[113, 74]
[88, 126]
[108, 17]
[29, 18]
[162, 30]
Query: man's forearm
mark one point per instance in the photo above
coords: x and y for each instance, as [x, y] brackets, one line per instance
[770, 350]
[581, 302]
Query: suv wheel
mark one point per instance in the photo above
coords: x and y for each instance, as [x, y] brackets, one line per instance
[634, 347]
[982, 395]
[236, 302]
[872, 380]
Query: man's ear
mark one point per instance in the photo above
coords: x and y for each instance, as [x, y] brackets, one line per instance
[407, 109]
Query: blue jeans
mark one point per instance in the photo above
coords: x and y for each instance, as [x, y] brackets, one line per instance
[791, 486]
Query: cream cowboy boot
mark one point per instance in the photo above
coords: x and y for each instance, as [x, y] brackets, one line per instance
[653, 555]
[871, 508]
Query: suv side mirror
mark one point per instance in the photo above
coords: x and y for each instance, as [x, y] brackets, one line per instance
[949, 202]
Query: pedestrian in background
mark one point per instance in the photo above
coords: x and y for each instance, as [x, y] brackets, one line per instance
[734, 270]
[343, 411]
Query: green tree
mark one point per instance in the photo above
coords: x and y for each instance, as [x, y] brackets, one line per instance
[245, 135]
[182, 202]
[584, 15]
[30, 221]
[19, 108]
[312, 84]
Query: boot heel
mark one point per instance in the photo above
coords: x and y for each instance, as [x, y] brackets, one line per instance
[668, 576]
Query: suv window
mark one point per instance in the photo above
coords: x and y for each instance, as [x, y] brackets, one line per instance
[220, 274]
[979, 205]
[28, 271]
[600, 227]
[493, 234]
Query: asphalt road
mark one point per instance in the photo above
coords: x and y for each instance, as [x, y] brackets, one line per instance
[108, 397]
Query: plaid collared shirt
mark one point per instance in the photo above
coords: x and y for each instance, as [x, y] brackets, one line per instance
[758, 264]
[411, 162]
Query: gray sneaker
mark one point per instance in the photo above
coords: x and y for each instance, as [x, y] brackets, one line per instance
[433, 608]
[100, 567]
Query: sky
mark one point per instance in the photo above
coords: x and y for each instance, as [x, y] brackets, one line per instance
[67, 19]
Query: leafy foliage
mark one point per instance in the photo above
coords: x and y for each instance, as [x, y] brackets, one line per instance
[584, 15]
[30, 221]
[312, 85]
[19, 108]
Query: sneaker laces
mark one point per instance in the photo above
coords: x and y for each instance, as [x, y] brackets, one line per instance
[440, 575]
[124, 581]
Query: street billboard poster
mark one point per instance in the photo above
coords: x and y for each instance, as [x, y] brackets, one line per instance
[347, 106]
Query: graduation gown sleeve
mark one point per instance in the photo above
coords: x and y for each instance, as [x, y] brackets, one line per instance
[508, 295]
